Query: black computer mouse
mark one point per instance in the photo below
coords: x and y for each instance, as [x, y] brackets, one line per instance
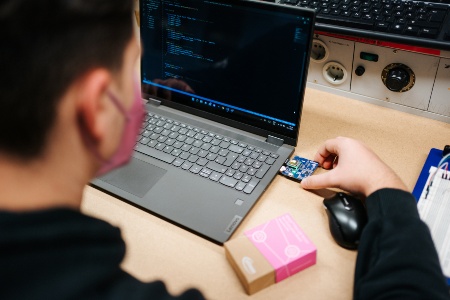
[347, 217]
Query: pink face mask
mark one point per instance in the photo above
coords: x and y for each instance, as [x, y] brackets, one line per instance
[133, 122]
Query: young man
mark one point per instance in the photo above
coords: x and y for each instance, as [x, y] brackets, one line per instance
[69, 111]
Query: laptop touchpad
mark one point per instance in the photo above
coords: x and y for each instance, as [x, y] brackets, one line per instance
[137, 177]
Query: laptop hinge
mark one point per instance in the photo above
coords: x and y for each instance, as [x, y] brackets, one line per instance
[154, 102]
[274, 140]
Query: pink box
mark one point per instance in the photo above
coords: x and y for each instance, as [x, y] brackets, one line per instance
[270, 253]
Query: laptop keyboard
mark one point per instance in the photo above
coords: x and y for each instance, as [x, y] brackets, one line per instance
[224, 160]
[423, 20]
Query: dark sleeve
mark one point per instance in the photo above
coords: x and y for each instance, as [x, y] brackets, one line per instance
[125, 286]
[396, 256]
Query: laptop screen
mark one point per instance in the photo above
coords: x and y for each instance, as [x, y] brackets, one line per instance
[241, 60]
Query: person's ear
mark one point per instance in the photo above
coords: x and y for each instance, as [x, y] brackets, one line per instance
[92, 109]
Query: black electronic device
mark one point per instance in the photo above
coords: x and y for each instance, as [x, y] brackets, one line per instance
[416, 23]
[347, 217]
[446, 150]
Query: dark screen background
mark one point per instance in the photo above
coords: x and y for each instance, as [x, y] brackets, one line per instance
[228, 55]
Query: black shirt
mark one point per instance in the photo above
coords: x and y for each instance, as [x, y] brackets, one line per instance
[63, 254]
[396, 256]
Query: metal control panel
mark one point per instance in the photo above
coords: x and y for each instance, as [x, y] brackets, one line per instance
[411, 79]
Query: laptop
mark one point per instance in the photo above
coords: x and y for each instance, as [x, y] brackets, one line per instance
[224, 82]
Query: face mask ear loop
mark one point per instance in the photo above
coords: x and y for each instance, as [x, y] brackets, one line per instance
[89, 142]
[118, 104]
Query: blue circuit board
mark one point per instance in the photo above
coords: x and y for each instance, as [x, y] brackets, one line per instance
[298, 168]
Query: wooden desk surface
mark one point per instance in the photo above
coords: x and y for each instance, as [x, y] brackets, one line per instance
[159, 250]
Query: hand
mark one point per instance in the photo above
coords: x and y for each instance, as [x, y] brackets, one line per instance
[355, 168]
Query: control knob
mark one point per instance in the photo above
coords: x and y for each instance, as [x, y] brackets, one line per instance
[398, 77]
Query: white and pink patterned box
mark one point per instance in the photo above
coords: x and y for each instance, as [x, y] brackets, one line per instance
[270, 252]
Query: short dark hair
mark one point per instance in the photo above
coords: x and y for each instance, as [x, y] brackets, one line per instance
[45, 46]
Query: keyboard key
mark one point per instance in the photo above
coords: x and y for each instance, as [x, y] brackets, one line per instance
[257, 164]
[193, 158]
[347, 22]
[238, 175]
[197, 143]
[270, 161]
[202, 153]
[249, 161]
[254, 155]
[251, 171]
[427, 32]
[215, 142]
[174, 135]
[186, 165]
[155, 153]
[214, 149]
[231, 157]
[236, 165]
[154, 136]
[243, 168]
[223, 152]
[202, 161]
[195, 169]
[181, 138]
[262, 158]
[224, 144]
[216, 167]
[240, 186]
[228, 181]
[184, 155]
[160, 146]
[178, 162]
[194, 150]
[230, 172]
[152, 143]
[168, 149]
[412, 30]
[186, 147]
[170, 142]
[251, 186]
[162, 139]
[211, 156]
[382, 26]
[398, 28]
[199, 136]
[236, 149]
[177, 144]
[144, 140]
[206, 146]
[262, 171]
[241, 159]
[206, 171]
[176, 152]
[166, 132]
[220, 160]
[437, 16]
[246, 152]
[246, 178]
[215, 176]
